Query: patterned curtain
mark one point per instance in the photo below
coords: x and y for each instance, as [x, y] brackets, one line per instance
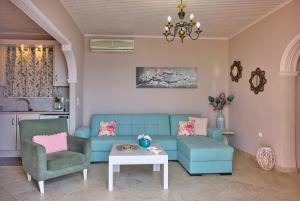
[29, 71]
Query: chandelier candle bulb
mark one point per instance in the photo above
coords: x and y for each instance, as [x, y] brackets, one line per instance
[169, 18]
[198, 25]
[192, 17]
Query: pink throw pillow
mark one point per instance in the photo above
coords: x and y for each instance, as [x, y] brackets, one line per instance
[107, 128]
[52, 143]
[200, 125]
[186, 128]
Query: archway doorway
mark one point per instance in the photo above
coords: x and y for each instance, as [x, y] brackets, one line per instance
[290, 66]
[38, 17]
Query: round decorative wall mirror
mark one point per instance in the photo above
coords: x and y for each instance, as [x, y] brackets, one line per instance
[257, 81]
[236, 71]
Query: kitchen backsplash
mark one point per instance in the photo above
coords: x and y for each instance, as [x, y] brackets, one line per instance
[36, 103]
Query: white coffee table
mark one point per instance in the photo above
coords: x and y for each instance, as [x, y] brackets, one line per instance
[140, 156]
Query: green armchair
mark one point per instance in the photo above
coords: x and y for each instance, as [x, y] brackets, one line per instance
[42, 166]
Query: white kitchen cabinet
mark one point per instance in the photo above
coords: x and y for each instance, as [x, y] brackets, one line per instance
[60, 71]
[21, 117]
[2, 65]
[8, 138]
[9, 133]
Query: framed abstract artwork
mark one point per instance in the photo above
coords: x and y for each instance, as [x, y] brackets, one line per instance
[166, 77]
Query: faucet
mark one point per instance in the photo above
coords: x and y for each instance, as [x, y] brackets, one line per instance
[28, 103]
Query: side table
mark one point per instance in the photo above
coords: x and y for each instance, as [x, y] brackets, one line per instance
[227, 135]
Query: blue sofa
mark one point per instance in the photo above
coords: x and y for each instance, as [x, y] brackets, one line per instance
[197, 154]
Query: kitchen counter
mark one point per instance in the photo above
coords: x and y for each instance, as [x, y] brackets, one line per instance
[35, 112]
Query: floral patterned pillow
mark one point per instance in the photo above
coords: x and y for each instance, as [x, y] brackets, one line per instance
[107, 128]
[186, 128]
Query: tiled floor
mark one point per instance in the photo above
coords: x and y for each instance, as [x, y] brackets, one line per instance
[248, 182]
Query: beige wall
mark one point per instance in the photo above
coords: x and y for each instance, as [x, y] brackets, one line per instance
[272, 111]
[57, 14]
[110, 77]
[14, 24]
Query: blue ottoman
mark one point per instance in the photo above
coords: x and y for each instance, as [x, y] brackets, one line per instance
[200, 155]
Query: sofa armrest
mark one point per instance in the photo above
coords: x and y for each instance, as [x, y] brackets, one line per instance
[215, 134]
[83, 132]
[34, 159]
[81, 145]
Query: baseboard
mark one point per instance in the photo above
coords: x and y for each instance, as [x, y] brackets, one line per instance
[286, 169]
[276, 168]
[10, 161]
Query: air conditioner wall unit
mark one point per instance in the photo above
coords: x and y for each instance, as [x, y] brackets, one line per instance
[111, 45]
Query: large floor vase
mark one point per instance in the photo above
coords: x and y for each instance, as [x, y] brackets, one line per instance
[265, 157]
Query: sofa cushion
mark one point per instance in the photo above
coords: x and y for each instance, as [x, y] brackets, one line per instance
[175, 118]
[201, 148]
[134, 124]
[167, 142]
[64, 159]
[104, 143]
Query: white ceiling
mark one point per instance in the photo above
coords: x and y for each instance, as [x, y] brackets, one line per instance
[220, 18]
[13, 21]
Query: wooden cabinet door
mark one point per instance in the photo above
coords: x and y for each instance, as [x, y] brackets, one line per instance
[8, 131]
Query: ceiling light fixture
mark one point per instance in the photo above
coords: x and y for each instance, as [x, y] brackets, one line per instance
[182, 28]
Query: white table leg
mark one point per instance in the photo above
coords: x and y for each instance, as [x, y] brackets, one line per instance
[41, 186]
[116, 168]
[84, 172]
[225, 139]
[110, 176]
[166, 175]
[28, 177]
[156, 167]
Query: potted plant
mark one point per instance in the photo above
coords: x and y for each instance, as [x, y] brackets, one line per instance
[58, 104]
[218, 104]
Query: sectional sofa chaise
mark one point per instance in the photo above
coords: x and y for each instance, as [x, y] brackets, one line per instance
[197, 154]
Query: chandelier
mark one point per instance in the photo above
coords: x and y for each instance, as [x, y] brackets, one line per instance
[182, 28]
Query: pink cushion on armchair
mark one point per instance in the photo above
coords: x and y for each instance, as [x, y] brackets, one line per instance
[52, 143]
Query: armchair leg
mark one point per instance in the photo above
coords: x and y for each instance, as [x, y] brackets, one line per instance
[28, 176]
[84, 174]
[41, 186]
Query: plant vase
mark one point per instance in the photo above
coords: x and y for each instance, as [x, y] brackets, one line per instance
[218, 103]
[220, 120]
[144, 143]
[144, 140]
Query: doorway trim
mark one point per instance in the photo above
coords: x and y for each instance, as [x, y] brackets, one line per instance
[288, 67]
[32, 11]
[289, 59]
